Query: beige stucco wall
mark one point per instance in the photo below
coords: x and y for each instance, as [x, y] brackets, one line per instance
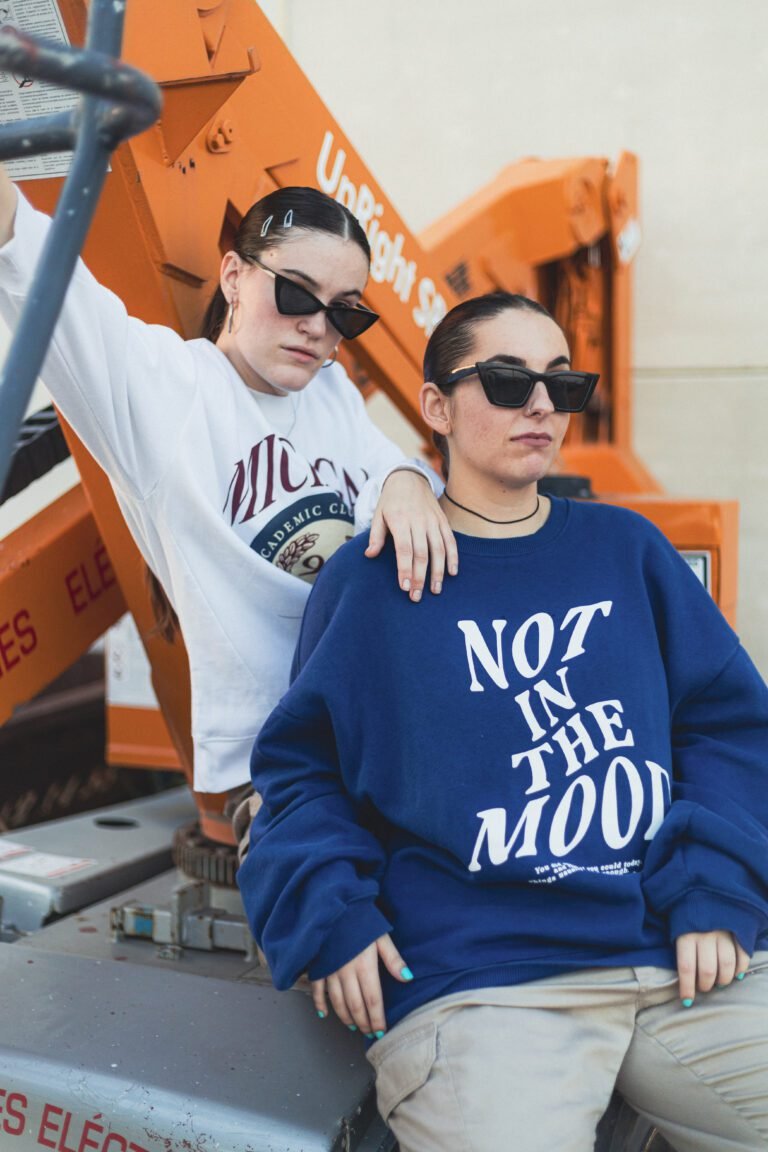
[439, 94]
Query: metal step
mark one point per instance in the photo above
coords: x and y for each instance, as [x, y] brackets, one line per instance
[53, 869]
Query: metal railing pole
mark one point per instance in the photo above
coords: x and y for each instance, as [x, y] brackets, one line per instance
[117, 102]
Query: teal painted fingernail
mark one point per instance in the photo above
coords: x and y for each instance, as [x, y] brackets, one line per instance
[720, 986]
[321, 1014]
[352, 1027]
[379, 1035]
[369, 1035]
[687, 1003]
[740, 975]
[406, 973]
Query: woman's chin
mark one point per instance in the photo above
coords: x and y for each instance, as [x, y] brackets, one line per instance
[294, 379]
[526, 478]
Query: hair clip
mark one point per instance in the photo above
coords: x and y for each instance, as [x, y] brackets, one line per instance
[265, 225]
[288, 221]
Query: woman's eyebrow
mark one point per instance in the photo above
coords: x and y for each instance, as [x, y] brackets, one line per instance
[313, 284]
[518, 362]
[505, 358]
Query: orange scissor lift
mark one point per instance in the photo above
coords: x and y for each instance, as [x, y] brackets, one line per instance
[240, 118]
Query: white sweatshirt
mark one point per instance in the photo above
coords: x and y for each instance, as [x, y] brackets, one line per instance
[235, 498]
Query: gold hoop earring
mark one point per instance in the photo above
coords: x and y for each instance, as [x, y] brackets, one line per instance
[230, 316]
[332, 360]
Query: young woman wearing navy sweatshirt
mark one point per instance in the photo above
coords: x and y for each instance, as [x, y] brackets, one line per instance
[519, 836]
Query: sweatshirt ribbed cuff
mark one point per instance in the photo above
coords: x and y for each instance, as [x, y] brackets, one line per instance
[359, 926]
[421, 469]
[705, 912]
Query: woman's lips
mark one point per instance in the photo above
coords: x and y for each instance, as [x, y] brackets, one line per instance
[536, 439]
[302, 354]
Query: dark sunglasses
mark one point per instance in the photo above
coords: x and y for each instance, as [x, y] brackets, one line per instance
[350, 320]
[510, 385]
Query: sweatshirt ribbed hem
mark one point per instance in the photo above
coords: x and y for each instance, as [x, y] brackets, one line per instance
[402, 999]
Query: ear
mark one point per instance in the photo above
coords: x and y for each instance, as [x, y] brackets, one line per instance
[435, 408]
[229, 276]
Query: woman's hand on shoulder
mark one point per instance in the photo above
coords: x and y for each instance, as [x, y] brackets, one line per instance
[422, 536]
[355, 989]
[706, 960]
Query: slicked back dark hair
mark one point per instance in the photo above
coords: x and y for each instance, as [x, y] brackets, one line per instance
[453, 339]
[273, 220]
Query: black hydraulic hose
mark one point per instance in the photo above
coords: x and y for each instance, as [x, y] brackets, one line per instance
[40, 446]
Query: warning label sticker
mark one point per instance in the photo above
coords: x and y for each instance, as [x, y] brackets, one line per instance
[26, 861]
[22, 98]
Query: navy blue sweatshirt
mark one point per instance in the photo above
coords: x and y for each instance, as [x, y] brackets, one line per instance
[560, 762]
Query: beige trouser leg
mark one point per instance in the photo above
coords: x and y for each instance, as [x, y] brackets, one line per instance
[701, 1075]
[531, 1068]
[241, 808]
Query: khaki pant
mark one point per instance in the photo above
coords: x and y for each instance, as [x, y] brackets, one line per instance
[241, 808]
[531, 1068]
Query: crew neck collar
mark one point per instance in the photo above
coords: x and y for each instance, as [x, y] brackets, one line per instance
[518, 545]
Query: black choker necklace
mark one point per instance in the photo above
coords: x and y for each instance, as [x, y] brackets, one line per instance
[488, 520]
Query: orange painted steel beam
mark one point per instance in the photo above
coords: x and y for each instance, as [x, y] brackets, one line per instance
[59, 594]
[540, 210]
[623, 212]
[609, 468]
[138, 737]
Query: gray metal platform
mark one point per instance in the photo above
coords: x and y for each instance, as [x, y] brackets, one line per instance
[88, 933]
[164, 1061]
[119, 1045]
[124, 844]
